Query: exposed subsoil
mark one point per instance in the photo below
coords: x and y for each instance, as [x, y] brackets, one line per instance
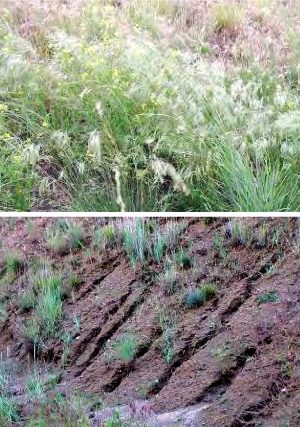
[237, 358]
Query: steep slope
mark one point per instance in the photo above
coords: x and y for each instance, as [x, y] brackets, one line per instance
[130, 333]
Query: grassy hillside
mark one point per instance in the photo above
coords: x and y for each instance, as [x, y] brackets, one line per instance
[149, 323]
[149, 105]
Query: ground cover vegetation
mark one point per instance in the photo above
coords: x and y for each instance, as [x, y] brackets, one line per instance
[149, 322]
[149, 105]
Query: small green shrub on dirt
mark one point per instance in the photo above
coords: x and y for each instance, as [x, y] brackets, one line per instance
[158, 245]
[271, 296]
[35, 386]
[195, 298]
[14, 262]
[47, 311]
[59, 410]
[126, 348]
[262, 235]
[219, 250]
[167, 323]
[172, 233]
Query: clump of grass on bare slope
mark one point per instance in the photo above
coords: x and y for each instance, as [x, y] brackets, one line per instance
[98, 112]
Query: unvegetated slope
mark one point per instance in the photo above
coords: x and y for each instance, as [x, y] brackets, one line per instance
[236, 355]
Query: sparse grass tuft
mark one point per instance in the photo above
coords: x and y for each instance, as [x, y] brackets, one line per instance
[8, 411]
[14, 262]
[227, 16]
[105, 236]
[169, 277]
[75, 237]
[241, 233]
[135, 240]
[271, 296]
[183, 258]
[126, 348]
[197, 297]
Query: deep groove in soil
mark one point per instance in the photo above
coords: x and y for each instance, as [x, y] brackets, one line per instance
[187, 352]
[102, 340]
[254, 411]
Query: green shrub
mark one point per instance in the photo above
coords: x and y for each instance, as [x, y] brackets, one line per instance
[56, 240]
[241, 232]
[49, 311]
[158, 245]
[168, 278]
[227, 16]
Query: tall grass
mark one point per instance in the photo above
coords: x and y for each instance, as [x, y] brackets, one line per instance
[99, 112]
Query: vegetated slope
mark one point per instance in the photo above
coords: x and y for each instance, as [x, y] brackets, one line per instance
[208, 320]
[149, 105]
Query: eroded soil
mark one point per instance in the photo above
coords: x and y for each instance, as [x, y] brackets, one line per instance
[235, 356]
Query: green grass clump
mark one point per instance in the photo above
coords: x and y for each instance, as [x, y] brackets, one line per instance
[75, 237]
[47, 309]
[197, 297]
[14, 262]
[194, 298]
[271, 296]
[135, 240]
[227, 16]
[27, 300]
[183, 258]
[104, 236]
[241, 232]
[56, 240]
[8, 411]
[209, 290]
[126, 348]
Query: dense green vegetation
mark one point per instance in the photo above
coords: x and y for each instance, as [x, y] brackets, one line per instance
[101, 111]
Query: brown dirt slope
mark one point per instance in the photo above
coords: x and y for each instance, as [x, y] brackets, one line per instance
[238, 353]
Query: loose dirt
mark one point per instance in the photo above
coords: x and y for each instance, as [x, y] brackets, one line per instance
[234, 357]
